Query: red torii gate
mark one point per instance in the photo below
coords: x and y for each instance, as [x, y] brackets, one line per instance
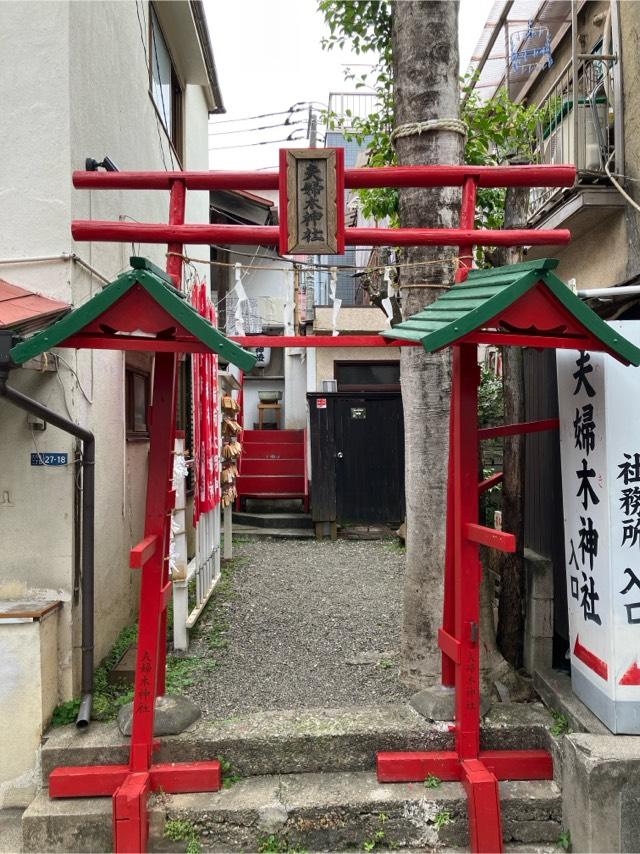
[131, 785]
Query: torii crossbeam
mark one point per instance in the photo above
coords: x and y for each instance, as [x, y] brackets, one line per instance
[300, 175]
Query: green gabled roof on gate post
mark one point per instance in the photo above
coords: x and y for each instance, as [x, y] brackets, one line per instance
[160, 287]
[466, 307]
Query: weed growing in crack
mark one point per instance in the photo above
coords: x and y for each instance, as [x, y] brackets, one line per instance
[432, 782]
[442, 819]
[378, 837]
[229, 777]
[564, 840]
[274, 844]
[561, 725]
[179, 830]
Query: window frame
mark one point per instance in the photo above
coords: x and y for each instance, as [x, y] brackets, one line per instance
[133, 432]
[364, 387]
[174, 134]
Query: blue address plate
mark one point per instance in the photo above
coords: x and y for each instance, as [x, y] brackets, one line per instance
[49, 458]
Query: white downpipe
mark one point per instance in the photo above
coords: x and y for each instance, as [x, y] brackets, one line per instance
[625, 290]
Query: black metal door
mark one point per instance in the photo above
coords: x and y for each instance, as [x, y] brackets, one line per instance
[369, 443]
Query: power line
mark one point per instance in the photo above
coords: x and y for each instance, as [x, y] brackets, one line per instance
[252, 130]
[293, 109]
[289, 138]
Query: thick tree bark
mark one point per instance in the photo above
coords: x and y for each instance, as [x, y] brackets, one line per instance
[510, 634]
[425, 65]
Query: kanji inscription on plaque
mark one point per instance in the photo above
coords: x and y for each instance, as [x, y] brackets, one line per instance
[312, 201]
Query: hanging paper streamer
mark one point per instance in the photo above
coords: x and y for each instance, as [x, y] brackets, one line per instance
[333, 283]
[241, 299]
[391, 288]
[288, 311]
[180, 469]
[388, 310]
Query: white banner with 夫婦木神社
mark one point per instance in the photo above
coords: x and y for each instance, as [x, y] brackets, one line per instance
[599, 408]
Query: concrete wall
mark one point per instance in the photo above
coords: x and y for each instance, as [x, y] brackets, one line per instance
[28, 675]
[74, 84]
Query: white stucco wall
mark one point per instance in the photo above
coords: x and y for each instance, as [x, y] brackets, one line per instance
[74, 84]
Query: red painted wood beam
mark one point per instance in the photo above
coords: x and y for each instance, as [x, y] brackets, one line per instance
[141, 553]
[385, 176]
[518, 764]
[135, 342]
[175, 779]
[490, 482]
[517, 429]
[268, 235]
[94, 781]
[414, 767]
[483, 807]
[490, 537]
[320, 341]
[86, 781]
[449, 645]
[537, 342]
[407, 767]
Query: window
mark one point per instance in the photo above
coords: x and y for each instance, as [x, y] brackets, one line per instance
[137, 403]
[367, 376]
[166, 91]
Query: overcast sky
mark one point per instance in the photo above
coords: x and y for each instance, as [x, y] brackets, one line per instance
[268, 56]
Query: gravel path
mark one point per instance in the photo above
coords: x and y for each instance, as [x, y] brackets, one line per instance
[309, 624]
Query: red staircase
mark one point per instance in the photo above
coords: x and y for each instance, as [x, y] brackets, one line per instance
[273, 465]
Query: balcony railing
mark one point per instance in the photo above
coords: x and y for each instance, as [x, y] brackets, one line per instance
[577, 125]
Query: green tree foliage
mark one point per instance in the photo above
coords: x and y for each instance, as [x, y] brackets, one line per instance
[498, 130]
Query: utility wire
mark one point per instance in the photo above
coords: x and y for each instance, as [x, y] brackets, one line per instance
[289, 138]
[292, 109]
[262, 127]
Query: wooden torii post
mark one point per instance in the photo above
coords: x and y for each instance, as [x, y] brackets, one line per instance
[145, 299]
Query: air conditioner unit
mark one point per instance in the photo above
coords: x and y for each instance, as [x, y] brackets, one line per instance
[558, 143]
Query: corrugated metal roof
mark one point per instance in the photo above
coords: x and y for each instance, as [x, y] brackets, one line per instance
[25, 311]
[514, 18]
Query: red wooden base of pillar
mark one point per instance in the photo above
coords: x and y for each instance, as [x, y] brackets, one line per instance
[130, 791]
[480, 779]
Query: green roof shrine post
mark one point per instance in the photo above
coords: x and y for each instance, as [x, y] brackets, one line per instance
[143, 310]
[523, 305]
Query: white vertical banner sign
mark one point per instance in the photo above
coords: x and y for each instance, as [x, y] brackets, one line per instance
[599, 408]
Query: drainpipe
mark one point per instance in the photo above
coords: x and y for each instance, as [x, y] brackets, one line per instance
[88, 507]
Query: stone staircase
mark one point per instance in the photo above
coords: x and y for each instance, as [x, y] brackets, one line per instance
[307, 781]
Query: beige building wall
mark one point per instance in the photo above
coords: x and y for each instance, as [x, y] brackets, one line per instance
[82, 93]
[356, 320]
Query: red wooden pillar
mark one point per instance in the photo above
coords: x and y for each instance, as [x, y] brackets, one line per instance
[467, 220]
[485, 825]
[130, 821]
[177, 204]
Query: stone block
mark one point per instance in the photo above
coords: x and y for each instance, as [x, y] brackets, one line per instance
[539, 575]
[601, 793]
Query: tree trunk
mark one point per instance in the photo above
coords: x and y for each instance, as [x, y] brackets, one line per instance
[510, 634]
[425, 67]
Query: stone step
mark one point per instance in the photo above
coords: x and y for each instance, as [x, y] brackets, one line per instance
[273, 520]
[299, 741]
[315, 812]
[258, 533]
